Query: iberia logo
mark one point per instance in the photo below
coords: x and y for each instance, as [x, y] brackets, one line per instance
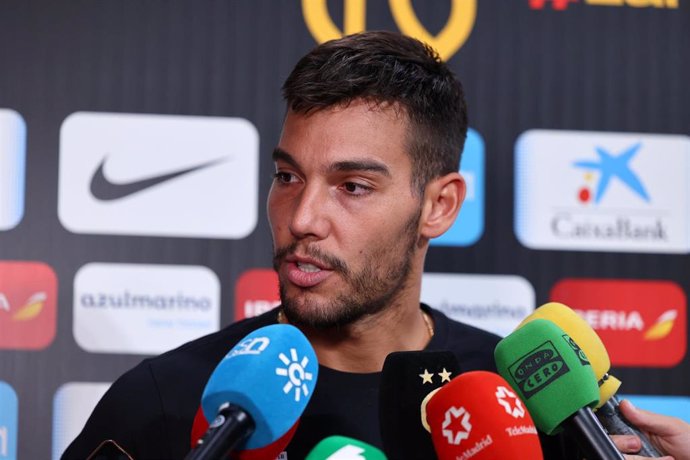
[256, 292]
[28, 305]
[642, 323]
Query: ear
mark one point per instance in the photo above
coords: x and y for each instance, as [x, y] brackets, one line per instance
[443, 198]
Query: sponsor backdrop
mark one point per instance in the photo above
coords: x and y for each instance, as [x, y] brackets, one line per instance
[135, 142]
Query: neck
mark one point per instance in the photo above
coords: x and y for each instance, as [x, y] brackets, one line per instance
[362, 347]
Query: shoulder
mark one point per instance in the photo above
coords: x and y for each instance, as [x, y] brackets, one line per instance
[207, 351]
[473, 347]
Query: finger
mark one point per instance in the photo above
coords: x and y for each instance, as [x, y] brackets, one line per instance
[639, 457]
[645, 420]
[627, 443]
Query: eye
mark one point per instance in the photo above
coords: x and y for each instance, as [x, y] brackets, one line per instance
[354, 188]
[284, 177]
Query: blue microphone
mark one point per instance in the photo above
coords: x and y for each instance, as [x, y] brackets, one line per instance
[258, 391]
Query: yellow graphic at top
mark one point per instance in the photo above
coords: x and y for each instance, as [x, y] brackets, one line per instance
[447, 42]
[321, 25]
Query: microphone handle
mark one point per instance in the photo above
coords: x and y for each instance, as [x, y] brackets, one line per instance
[591, 436]
[231, 426]
[615, 422]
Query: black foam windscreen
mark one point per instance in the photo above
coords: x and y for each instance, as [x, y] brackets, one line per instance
[407, 378]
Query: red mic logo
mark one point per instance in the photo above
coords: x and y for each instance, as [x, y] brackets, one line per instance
[456, 425]
[510, 402]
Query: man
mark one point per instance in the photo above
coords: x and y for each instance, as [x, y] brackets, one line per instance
[366, 174]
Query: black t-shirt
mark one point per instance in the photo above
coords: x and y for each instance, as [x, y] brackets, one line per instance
[150, 409]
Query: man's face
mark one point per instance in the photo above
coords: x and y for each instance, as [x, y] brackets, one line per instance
[343, 214]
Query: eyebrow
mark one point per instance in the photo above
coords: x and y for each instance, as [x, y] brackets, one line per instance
[338, 166]
[282, 155]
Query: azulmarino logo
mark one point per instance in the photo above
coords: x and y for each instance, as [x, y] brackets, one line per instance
[536, 370]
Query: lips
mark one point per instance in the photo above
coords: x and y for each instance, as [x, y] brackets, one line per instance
[305, 272]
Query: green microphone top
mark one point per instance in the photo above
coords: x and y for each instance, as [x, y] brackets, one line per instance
[344, 448]
[550, 372]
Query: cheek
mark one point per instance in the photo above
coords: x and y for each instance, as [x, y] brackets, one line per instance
[277, 212]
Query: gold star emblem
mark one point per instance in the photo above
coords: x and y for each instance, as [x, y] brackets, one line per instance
[445, 375]
[426, 377]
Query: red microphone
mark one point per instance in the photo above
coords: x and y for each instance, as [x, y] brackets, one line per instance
[268, 452]
[477, 415]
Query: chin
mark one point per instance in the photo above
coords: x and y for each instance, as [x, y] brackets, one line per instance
[321, 317]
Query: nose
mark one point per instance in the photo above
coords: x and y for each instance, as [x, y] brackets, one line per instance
[310, 213]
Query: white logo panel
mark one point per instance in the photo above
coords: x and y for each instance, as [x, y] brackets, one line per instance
[72, 406]
[595, 191]
[12, 168]
[496, 303]
[158, 175]
[143, 309]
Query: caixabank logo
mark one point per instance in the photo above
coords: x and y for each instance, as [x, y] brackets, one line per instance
[596, 191]
[256, 292]
[28, 305]
[642, 323]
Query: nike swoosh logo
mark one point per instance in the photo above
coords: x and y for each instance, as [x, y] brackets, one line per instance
[105, 190]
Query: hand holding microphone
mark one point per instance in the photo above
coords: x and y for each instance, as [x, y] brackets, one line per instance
[670, 433]
[257, 392]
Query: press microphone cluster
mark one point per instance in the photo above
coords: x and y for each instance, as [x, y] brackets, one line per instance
[256, 394]
[429, 410]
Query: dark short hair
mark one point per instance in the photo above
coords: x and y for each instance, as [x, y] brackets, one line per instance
[389, 68]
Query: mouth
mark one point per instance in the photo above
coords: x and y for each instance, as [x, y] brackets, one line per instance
[307, 267]
[305, 272]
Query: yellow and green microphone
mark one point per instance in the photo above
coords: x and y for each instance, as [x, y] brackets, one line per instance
[607, 410]
[555, 380]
